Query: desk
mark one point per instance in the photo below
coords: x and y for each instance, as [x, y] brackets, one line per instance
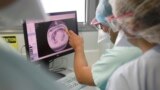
[70, 81]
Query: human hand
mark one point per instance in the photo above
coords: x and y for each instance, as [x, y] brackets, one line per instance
[75, 40]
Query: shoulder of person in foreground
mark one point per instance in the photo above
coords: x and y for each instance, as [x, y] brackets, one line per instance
[19, 74]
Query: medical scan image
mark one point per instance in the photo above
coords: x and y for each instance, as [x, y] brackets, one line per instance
[51, 38]
[56, 36]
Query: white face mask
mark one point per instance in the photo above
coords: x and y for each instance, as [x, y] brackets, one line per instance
[102, 35]
[20, 10]
[105, 39]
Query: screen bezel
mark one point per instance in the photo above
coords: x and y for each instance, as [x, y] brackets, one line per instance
[48, 59]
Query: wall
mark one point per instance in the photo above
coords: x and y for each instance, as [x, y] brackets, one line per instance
[20, 39]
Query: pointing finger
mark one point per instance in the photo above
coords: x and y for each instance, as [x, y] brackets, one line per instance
[71, 32]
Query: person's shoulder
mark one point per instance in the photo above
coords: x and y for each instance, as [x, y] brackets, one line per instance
[122, 53]
[122, 50]
[145, 66]
[151, 58]
[126, 49]
[121, 77]
[127, 67]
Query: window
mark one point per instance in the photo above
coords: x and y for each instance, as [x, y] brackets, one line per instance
[66, 5]
[85, 12]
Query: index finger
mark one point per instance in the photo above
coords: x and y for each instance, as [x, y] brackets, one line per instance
[72, 33]
[66, 30]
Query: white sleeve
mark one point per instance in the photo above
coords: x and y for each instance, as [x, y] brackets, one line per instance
[118, 82]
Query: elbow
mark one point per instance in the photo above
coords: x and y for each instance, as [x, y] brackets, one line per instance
[84, 76]
[80, 79]
[83, 79]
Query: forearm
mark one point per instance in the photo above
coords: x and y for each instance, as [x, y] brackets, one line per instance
[80, 59]
[82, 70]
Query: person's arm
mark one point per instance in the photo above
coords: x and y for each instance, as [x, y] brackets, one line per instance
[81, 68]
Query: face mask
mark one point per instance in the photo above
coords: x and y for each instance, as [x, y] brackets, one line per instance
[20, 10]
[102, 35]
[104, 41]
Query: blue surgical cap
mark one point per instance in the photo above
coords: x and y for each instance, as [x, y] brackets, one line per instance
[103, 10]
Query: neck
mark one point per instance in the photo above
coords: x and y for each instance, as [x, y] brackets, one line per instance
[145, 46]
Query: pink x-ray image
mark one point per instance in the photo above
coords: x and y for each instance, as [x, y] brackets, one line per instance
[56, 36]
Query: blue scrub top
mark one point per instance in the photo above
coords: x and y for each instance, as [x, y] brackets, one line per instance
[110, 61]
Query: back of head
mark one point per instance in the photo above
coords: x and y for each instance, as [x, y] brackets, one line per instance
[145, 21]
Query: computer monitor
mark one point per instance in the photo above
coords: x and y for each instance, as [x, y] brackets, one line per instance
[47, 40]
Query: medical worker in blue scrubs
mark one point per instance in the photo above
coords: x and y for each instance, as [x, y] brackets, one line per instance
[99, 73]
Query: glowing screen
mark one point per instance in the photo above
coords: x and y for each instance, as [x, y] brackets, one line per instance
[48, 38]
